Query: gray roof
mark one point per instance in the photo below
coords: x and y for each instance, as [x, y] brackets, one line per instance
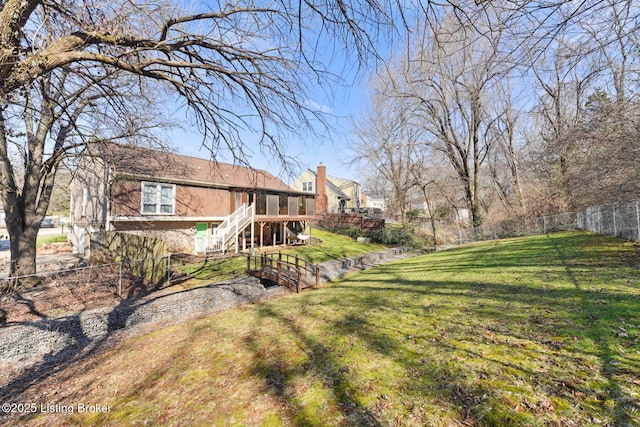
[331, 186]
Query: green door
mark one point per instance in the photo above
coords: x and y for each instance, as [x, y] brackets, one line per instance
[201, 237]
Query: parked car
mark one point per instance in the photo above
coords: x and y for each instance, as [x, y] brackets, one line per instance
[46, 223]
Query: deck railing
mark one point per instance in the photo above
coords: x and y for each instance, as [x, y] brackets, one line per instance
[230, 228]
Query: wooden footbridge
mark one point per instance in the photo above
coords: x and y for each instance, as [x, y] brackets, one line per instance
[284, 270]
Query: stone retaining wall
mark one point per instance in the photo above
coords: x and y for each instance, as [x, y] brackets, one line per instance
[66, 336]
[334, 270]
[52, 337]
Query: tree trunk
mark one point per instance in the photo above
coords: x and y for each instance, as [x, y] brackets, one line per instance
[23, 250]
[472, 200]
[432, 216]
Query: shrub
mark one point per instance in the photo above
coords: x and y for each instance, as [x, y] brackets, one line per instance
[404, 235]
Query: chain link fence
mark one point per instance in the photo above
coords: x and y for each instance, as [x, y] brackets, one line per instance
[620, 219]
[511, 228]
[138, 276]
[124, 278]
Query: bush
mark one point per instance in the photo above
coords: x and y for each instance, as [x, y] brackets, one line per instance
[404, 235]
[393, 236]
[412, 215]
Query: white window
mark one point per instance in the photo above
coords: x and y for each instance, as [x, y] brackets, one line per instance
[158, 198]
[307, 186]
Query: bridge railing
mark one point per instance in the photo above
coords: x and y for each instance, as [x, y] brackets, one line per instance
[285, 269]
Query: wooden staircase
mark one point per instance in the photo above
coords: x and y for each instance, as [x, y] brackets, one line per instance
[225, 236]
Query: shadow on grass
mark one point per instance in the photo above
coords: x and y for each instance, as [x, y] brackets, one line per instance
[610, 311]
[80, 346]
[209, 268]
[464, 347]
[323, 362]
[485, 351]
[423, 379]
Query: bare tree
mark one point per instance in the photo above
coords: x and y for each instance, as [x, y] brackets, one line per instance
[387, 143]
[459, 72]
[74, 73]
[504, 161]
[405, 168]
[609, 122]
[587, 110]
[565, 77]
[449, 79]
[613, 38]
[426, 180]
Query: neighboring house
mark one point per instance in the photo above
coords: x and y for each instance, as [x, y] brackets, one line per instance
[341, 195]
[194, 205]
[376, 202]
[418, 206]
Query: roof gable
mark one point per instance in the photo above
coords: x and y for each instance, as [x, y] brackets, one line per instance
[146, 163]
[331, 186]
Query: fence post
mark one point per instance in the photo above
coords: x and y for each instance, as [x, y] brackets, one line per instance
[169, 268]
[120, 280]
[579, 221]
[638, 219]
[615, 228]
[600, 219]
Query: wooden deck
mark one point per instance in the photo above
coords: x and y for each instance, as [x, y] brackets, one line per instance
[284, 270]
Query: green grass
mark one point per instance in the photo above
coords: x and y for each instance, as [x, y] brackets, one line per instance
[531, 331]
[41, 240]
[333, 247]
[212, 269]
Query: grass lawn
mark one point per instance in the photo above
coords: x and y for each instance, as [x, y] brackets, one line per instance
[538, 331]
[56, 238]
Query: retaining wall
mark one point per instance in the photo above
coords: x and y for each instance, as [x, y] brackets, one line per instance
[51, 338]
[368, 225]
[56, 339]
[334, 270]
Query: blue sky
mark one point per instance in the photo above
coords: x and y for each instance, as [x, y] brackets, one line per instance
[342, 101]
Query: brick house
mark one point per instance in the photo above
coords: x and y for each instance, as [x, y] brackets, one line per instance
[194, 205]
[340, 195]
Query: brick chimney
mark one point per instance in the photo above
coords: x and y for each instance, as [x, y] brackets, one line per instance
[322, 202]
